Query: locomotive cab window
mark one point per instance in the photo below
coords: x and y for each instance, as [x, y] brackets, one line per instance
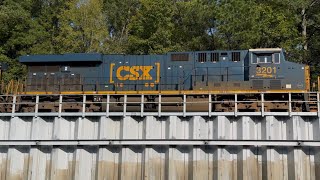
[276, 58]
[263, 58]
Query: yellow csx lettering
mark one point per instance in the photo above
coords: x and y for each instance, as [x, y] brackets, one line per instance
[133, 73]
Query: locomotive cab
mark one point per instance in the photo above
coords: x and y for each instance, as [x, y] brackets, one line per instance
[269, 70]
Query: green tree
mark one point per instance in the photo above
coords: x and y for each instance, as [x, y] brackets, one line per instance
[17, 34]
[118, 17]
[83, 27]
[194, 25]
[251, 24]
[304, 14]
[47, 14]
[151, 28]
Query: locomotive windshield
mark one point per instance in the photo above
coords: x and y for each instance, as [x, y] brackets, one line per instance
[264, 58]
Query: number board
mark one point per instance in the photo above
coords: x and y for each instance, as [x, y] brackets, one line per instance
[266, 71]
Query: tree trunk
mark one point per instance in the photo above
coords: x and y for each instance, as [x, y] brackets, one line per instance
[304, 29]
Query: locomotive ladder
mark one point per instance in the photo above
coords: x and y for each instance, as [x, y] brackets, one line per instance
[312, 102]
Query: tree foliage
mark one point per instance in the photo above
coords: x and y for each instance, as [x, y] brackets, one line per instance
[151, 28]
[157, 26]
[82, 27]
[118, 18]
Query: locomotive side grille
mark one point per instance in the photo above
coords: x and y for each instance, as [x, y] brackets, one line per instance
[38, 83]
[35, 80]
[235, 56]
[202, 57]
[51, 80]
[257, 84]
[214, 57]
[71, 82]
[180, 57]
[77, 79]
[66, 79]
[43, 82]
[52, 83]
[66, 83]
[275, 84]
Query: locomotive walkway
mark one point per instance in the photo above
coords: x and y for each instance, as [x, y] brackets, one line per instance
[168, 145]
[158, 112]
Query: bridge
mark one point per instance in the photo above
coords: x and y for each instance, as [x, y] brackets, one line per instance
[144, 144]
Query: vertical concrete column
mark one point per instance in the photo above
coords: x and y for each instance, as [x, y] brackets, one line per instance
[42, 128]
[203, 165]
[87, 128]
[300, 129]
[227, 163]
[4, 127]
[249, 158]
[17, 165]
[39, 163]
[201, 127]
[275, 128]
[132, 127]
[316, 128]
[316, 162]
[180, 163]
[155, 163]
[63, 164]
[247, 128]
[155, 127]
[301, 163]
[3, 161]
[275, 164]
[226, 127]
[20, 128]
[132, 163]
[178, 127]
[85, 163]
[108, 163]
[64, 128]
[110, 128]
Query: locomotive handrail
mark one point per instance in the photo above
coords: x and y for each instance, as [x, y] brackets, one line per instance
[36, 102]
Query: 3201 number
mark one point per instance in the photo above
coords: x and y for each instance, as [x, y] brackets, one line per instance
[266, 70]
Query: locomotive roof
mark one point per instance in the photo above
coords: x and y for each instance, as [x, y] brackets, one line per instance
[97, 57]
[265, 50]
[74, 57]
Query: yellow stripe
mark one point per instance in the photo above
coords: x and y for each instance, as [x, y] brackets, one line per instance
[166, 92]
[265, 75]
[307, 77]
[158, 73]
[111, 71]
[318, 83]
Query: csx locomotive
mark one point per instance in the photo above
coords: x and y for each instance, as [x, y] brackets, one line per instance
[195, 74]
[172, 73]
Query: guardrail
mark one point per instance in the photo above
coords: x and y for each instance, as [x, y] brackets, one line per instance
[34, 101]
